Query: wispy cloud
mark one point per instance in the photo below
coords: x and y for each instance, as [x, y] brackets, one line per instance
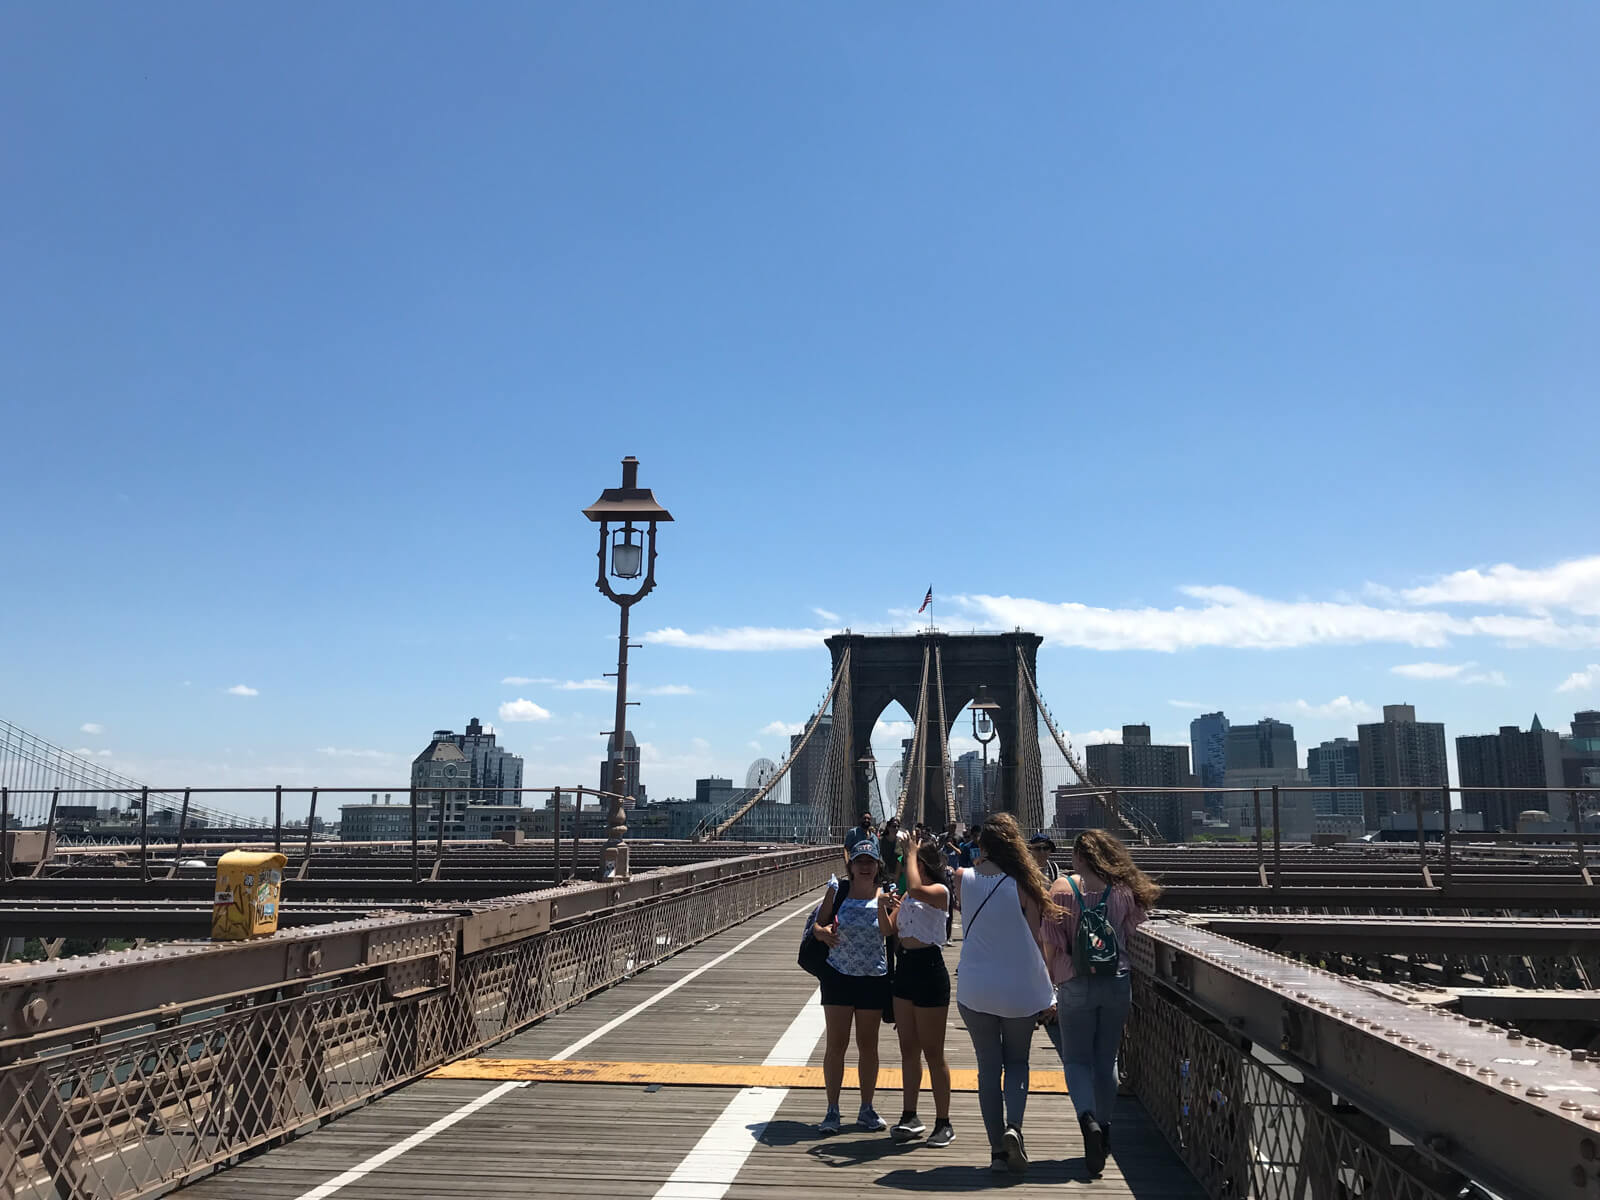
[586, 685]
[85, 752]
[823, 614]
[1339, 706]
[1462, 673]
[345, 752]
[784, 727]
[1195, 705]
[91, 727]
[1573, 585]
[240, 689]
[1230, 617]
[668, 689]
[523, 710]
[1581, 681]
[524, 680]
[1092, 737]
[744, 638]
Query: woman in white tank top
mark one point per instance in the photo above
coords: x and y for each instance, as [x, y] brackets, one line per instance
[1002, 984]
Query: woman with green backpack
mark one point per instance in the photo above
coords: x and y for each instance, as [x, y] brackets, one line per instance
[1103, 900]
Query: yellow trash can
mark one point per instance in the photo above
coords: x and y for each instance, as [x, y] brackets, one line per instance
[249, 884]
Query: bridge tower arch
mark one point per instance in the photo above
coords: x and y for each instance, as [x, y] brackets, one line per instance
[888, 668]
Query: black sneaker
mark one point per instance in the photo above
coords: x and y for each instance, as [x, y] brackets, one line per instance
[909, 1128]
[943, 1134]
[998, 1165]
[1016, 1155]
[1094, 1144]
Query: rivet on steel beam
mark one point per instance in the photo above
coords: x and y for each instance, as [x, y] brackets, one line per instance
[1511, 1081]
[1465, 1064]
[1536, 1092]
[1475, 1024]
[1580, 1056]
[1487, 1072]
[1445, 1054]
[1570, 1105]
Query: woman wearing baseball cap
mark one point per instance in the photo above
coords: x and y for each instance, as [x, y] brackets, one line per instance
[855, 983]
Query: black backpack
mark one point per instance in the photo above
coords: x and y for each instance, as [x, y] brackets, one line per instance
[813, 953]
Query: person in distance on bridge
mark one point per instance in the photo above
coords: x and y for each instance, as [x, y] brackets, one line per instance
[921, 987]
[1001, 982]
[1100, 904]
[858, 833]
[855, 984]
[1041, 847]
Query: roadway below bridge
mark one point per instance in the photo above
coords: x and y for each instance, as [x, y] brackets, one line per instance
[688, 1080]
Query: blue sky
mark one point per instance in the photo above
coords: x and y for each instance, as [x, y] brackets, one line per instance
[317, 329]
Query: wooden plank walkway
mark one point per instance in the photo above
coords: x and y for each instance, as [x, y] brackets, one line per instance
[686, 1142]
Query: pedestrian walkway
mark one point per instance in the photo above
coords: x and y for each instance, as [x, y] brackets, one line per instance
[694, 1080]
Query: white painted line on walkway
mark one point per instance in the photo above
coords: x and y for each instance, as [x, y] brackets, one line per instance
[400, 1147]
[708, 1171]
[323, 1190]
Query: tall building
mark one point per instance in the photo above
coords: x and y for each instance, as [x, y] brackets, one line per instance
[1137, 763]
[806, 775]
[1401, 751]
[1336, 764]
[1580, 753]
[1509, 759]
[713, 790]
[1267, 743]
[461, 771]
[630, 768]
[968, 771]
[496, 772]
[1208, 735]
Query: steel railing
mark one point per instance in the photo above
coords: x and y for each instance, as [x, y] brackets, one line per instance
[126, 1074]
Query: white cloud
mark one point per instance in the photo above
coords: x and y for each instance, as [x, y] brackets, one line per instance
[754, 745]
[892, 730]
[85, 752]
[700, 744]
[1234, 618]
[1339, 706]
[342, 752]
[1431, 670]
[523, 710]
[524, 680]
[669, 689]
[1581, 681]
[1092, 737]
[1462, 673]
[1573, 585]
[831, 617]
[586, 685]
[91, 727]
[240, 689]
[744, 638]
[784, 727]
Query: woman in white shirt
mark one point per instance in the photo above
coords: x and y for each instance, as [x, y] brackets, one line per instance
[1002, 984]
[921, 989]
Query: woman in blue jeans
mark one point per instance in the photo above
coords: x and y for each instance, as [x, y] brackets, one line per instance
[1002, 984]
[1092, 1009]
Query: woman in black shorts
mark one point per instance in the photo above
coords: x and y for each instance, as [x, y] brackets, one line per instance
[855, 984]
[921, 989]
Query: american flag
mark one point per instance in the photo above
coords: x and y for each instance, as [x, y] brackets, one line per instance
[927, 600]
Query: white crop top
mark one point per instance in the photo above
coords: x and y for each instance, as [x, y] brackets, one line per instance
[921, 921]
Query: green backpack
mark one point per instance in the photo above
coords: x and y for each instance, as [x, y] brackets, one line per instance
[1095, 951]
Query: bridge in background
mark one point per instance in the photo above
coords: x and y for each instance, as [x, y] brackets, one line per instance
[1410, 1020]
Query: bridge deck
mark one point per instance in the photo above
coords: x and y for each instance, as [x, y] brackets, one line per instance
[737, 998]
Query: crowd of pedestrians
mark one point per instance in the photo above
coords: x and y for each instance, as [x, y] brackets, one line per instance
[1038, 946]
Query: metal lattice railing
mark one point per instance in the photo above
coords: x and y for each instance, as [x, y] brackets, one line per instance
[1243, 1129]
[153, 1103]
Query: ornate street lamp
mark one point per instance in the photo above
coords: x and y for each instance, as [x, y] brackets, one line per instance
[617, 512]
[984, 732]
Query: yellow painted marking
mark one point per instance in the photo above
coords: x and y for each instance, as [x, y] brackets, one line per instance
[730, 1075]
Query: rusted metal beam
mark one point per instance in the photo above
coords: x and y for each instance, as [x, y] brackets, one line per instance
[1517, 1116]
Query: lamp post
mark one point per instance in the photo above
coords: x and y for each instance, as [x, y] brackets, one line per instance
[617, 511]
[868, 763]
[984, 732]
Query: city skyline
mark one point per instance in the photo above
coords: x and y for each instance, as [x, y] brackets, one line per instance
[312, 354]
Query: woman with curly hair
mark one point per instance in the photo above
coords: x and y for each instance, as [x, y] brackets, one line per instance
[1093, 990]
[1001, 983]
